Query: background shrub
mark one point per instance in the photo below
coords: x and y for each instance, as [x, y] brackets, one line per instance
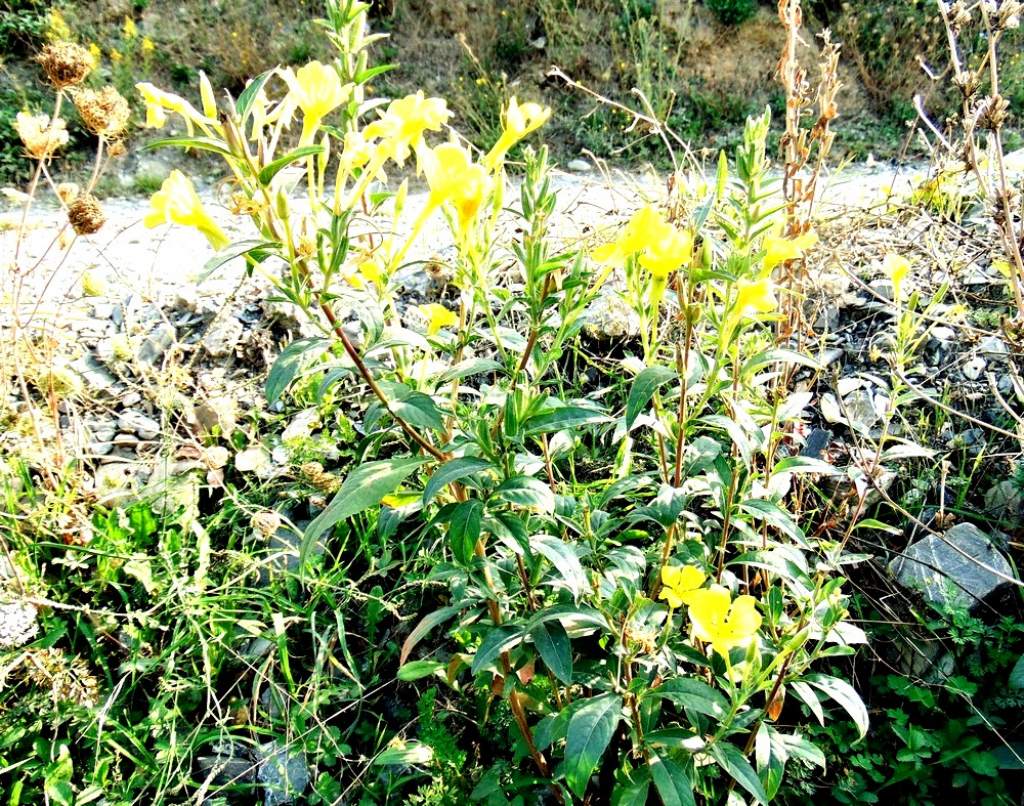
[733, 12]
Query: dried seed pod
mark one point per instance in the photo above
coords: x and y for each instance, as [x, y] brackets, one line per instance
[86, 215]
[67, 192]
[104, 112]
[65, 63]
[41, 135]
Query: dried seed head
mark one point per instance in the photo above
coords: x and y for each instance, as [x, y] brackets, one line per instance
[68, 680]
[104, 112]
[86, 215]
[117, 149]
[41, 136]
[65, 63]
[67, 192]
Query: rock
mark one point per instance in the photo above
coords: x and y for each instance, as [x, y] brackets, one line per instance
[230, 763]
[94, 375]
[1005, 500]
[609, 316]
[134, 421]
[859, 408]
[974, 368]
[103, 310]
[827, 319]
[126, 441]
[943, 334]
[115, 481]
[817, 441]
[153, 347]
[253, 460]
[217, 412]
[301, 425]
[580, 166]
[222, 337]
[993, 348]
[830, 356]
[883, 287]
[283, 773]
[957, 570]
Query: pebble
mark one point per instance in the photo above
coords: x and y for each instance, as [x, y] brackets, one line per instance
[222, 338]
[1005, 500]
[580, 166]
[134, 421]
[993, 348]
[154, 346]
[974, 368]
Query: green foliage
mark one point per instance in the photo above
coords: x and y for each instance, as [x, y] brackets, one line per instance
[22, 25]
[732, 12]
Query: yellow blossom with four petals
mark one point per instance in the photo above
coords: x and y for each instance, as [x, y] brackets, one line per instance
[455, 179]
[402, 126]
[317, 90]
[680, 583]
[520, 120]
[722, 621]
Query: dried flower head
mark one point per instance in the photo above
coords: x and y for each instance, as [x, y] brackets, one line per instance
[41, 136]
[117, 149]
[104, 112]
[86, 214]
[17, 624]
[67, 192]
[68, 680]
[65, 63]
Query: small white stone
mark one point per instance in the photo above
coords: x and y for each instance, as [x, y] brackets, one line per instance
[580, 166]
[974, 368]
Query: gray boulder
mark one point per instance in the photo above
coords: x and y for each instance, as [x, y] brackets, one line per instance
[957, 570]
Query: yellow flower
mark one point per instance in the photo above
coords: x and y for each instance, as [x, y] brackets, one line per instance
[158, 103]
[755, 296]
[130, 31]
[721, 621]
[93, 285]
[779, 250]
[57, 27]
[437, 317]
[355, 152]
[95, 52]
[317, 90]
[519, 122]
[147, 45]
[645, 227]
[897, 267]
[668, 253]
[404, 123]
[41, 136]
[454, 178]
[178, 202]
[680, 584]
[115, 56]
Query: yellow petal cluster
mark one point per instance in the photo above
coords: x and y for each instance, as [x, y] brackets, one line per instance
[437, 316]
[755, 297]
[520, 120]
[317, 90]
[403, 125]
[453, 178]
[177, 202]
[661, 247]
[159, 103]
[680, 583]
[896, 267]
[41, 135]
[779, 250]
[722, 621]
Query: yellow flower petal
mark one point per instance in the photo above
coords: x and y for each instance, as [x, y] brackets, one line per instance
[437, 317]
[897, 267]
[177, 202]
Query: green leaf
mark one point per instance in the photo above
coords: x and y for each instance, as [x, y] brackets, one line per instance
[735, 763]
[670, 779]
[229, 253]
[562, 556]
[287, 366]
[471, 366]
[524, 491]
[370, 72]
[199, 143]
[694, 695]
[427, 623]
[775, 516]
[633, 793]
[364, 488]
[590, 730]
[844, 694]
[419, 409]
[464, 529]
[777, 355]
[565, 417]
[1017, 675]
[418, 669]
[454, 470]
[805, 464]
[411, 753]
[498, 640]
[249, 95]
[552, 642]
[278, 165]
[643, 389]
